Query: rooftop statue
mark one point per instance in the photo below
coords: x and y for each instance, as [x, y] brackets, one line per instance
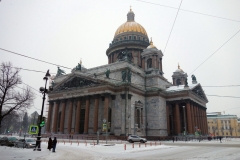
[193, 78]
[186, 82]
[79, 67]
[107, 72]
[126, 75]
[60, 72]
[125, 56]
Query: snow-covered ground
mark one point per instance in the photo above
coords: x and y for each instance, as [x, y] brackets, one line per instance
[228, 150]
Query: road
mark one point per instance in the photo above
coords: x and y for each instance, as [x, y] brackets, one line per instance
[213, 150]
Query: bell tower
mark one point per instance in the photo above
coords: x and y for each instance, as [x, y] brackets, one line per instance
[179, 77]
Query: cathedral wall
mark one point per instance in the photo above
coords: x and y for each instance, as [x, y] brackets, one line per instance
[66, 118]
[100, 114]
[135, 98]
[156, 82]
[156, 116]
[91, 115]
[117, 114]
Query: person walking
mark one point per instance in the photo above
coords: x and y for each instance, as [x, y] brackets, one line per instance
[54, 144]
[220, 138]
[50, 144]
[173, 139]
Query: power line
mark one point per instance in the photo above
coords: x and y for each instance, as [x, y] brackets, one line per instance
[172, 27]
[223, 96]
[25, 90]
[216, 51]
[31, 70]
[30, 87]
[33, 58]
[224, 86]
[191, 11]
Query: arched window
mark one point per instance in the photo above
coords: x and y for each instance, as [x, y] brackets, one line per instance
[134, 37]
[149, 63]
[130, 37]
[178, 82]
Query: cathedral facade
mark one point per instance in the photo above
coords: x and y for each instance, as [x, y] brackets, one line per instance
[129, 95]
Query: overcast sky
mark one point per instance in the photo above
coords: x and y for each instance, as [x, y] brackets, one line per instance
[62, 32]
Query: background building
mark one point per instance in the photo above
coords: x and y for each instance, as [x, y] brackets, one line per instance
[223, 125]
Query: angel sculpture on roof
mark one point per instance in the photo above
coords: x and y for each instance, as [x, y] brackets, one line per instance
[60, 72]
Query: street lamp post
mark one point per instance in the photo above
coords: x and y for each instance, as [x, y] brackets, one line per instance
[43, 91]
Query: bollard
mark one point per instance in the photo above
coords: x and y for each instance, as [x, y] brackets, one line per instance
[160, 143]
[155, 143]
[133, 145]
[139, 145]
[71, 142]
[125, 146]
[93, 143]
[86, 144]
[145, 144]
[78, 143]
[150, 143]
[64, 142]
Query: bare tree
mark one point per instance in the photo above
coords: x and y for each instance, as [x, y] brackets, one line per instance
[11, 99]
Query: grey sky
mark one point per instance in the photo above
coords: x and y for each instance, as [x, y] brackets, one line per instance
[64, 31]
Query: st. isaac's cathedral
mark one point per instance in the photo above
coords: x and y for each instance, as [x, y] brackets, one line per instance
[129, 95]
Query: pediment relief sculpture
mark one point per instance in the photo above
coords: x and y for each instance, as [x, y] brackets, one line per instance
[77, 82]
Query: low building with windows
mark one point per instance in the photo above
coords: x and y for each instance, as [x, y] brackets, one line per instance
[223, 125]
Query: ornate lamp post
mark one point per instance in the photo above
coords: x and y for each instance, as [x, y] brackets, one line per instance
[43, 90]
[105, 122]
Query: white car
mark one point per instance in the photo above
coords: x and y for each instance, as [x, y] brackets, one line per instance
[135, 138]
[26, 143]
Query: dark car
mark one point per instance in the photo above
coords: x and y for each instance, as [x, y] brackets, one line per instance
[8, 141]
[26, 143]
[134, 138]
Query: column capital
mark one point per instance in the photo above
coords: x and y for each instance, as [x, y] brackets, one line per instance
[95, 96]
[129, 96]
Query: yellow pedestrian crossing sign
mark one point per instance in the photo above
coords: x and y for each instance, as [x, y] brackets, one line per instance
[33, 129]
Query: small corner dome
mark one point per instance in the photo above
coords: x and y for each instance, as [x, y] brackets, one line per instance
[179, 69]
[151, 45]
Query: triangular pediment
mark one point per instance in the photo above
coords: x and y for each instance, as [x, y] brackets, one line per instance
[76, 81]
[198, 91]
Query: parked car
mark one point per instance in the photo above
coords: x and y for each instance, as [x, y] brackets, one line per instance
[26, 143]
[8, 141]
[135, 138]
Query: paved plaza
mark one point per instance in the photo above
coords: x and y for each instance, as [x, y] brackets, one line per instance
[115, 150]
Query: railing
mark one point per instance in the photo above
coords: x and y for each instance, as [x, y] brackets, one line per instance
[127, 41]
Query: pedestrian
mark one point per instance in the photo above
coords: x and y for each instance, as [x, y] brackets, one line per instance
[50, 144]
[220, 138]
[173, 139]
[54, 144]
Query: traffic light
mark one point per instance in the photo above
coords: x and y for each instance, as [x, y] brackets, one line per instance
[42, 123]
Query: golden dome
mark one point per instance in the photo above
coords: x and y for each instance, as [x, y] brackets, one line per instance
[130, 27]
[179, 69]
[151, 44]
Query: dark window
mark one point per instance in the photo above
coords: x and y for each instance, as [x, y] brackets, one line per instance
[138, 38]
[130, 37]
[178, 82]
[125, 38]
[134, 37]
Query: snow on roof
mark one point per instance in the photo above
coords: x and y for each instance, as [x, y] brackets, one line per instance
[181, 87]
